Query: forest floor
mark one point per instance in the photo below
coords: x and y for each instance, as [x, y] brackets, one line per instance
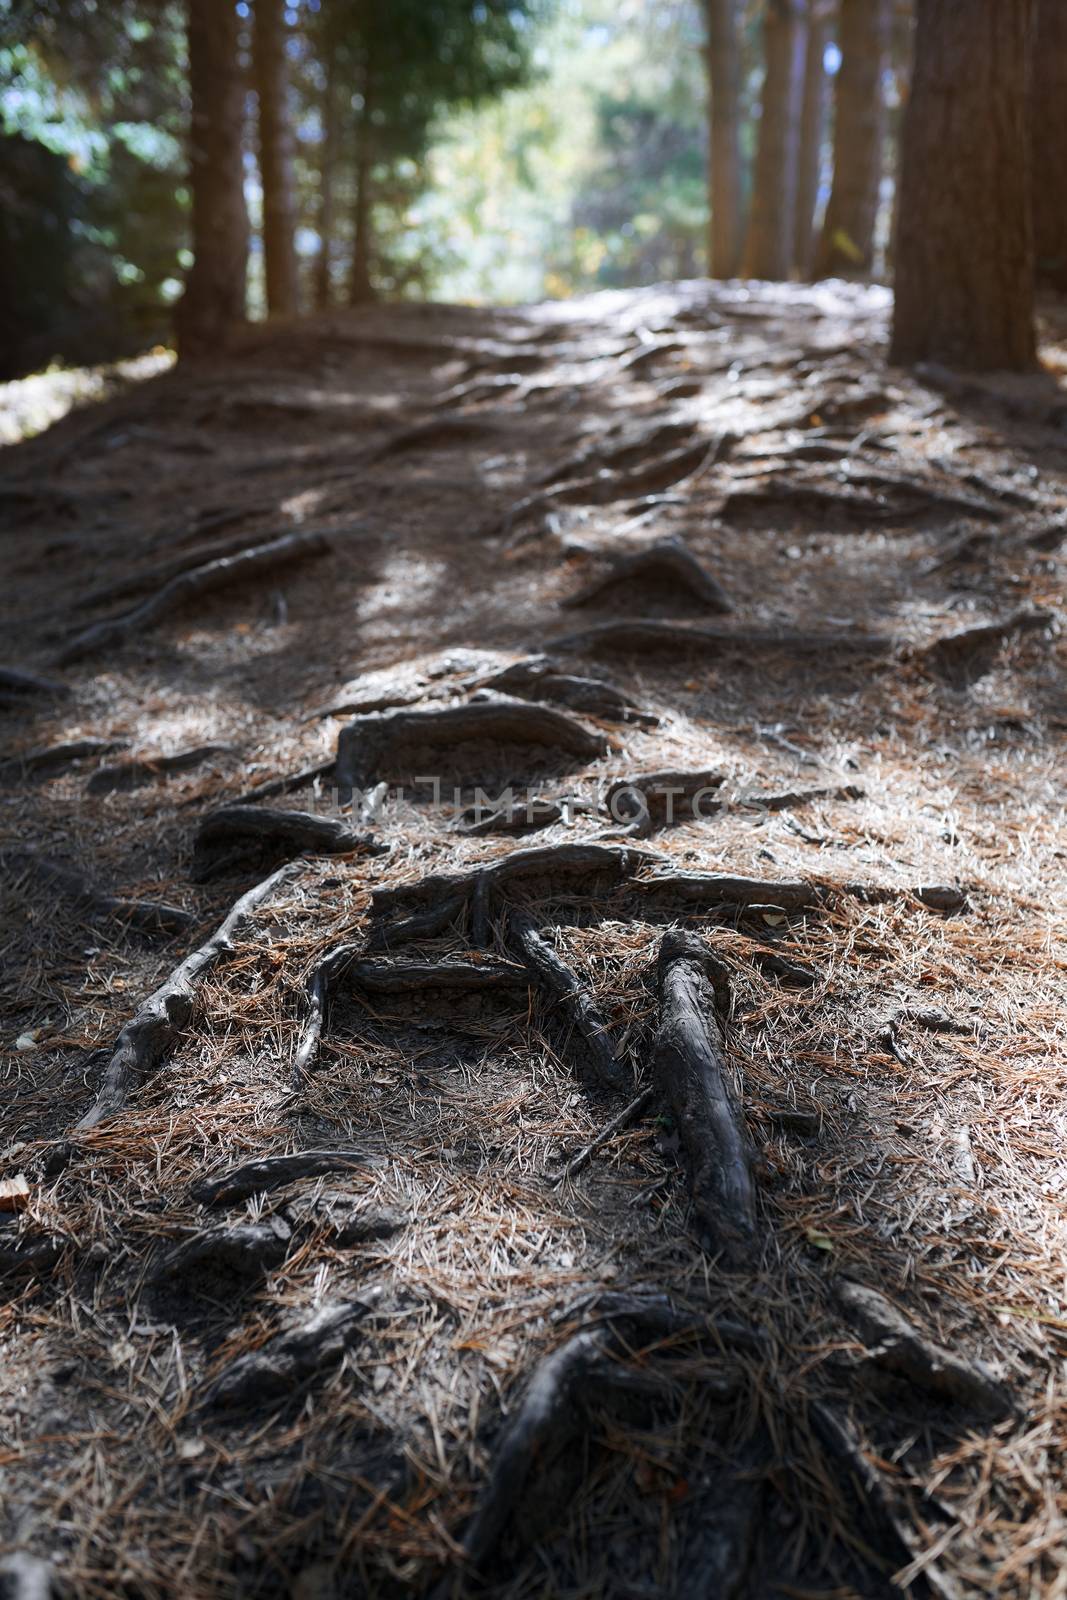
[433, 1358]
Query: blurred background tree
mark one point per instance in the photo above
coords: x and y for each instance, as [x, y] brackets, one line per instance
[494, 150]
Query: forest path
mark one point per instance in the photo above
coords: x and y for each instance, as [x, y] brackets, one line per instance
[851, 652]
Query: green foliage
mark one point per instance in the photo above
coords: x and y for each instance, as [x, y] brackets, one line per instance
[90, 175]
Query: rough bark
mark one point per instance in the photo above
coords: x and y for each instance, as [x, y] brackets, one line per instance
[156, 1023]
[722, 55]
[360, 284]
[214, 300]
[688, 1064]
[213, 575]
[812, 130]
[964, 246]
[370, 743]
[275, 157]
[769, 245]
[847, 239]
[327, 208]
[1048, 129]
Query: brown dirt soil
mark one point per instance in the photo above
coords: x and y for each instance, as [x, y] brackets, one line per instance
[922, 1154]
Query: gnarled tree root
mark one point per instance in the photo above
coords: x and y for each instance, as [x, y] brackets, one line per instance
[639, 637]
[18, 688]
[156, 1023]
[575, 1001]
[969, 653]
[559, 865]
[268, 1173]
[666, 564]
[895, 1343]
[219, 574]
[393, 977]
[242, 1250]
[541, 678]
[555, 1410]
[56, 758]
[369, 743]
[644, 800]
[126, 775]
[272, 787]
[147, 916]
[290, 1359]
[688, 1065]
[243, 835]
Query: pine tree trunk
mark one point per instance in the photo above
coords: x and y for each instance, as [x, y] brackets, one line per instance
[964, 248]
[722, 57]
[847, 241]
[769, 246]
[327, 178]
[275, 156]
[360, 285]
[812, 131]
[214, 300]
[1049, 144]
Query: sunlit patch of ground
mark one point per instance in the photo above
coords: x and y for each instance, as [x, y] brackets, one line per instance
[30, 405]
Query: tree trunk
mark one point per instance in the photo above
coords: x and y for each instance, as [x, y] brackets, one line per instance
[275, 157]
[847, 241]
[769, 246]
[327, 177]
[964, 248]
[722, 57]
[1049, 144]
[360, 286]
[214, 299]
[812, 132]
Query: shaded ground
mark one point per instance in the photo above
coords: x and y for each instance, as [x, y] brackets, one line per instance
[474, 470]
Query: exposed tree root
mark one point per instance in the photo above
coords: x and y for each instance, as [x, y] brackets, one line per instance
[237, 836]
[667, 564]
[368, 744]
[528, 818]
[724, 888]
[392, 977]
[438, 433]
[19, 688]
[273, 787]
[541, 678]
[555, 1411]
[343, 1221]
[651, 799]
[628, 453]
[895, 1343]
[220, 574]
[638, 637]
[880, 1520]
[126, 775]
[268, 1173]
[969, 653]
[147, 916]
[156, 1023]
[28, 1254]
[243, 1250]
[790, 974]
[688, 1064]
[563, 988]
[622, 1119]
[163, 572]
[559, 865]
[787, 799]
[56, 758]
[290, 1359]
[608, 487]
